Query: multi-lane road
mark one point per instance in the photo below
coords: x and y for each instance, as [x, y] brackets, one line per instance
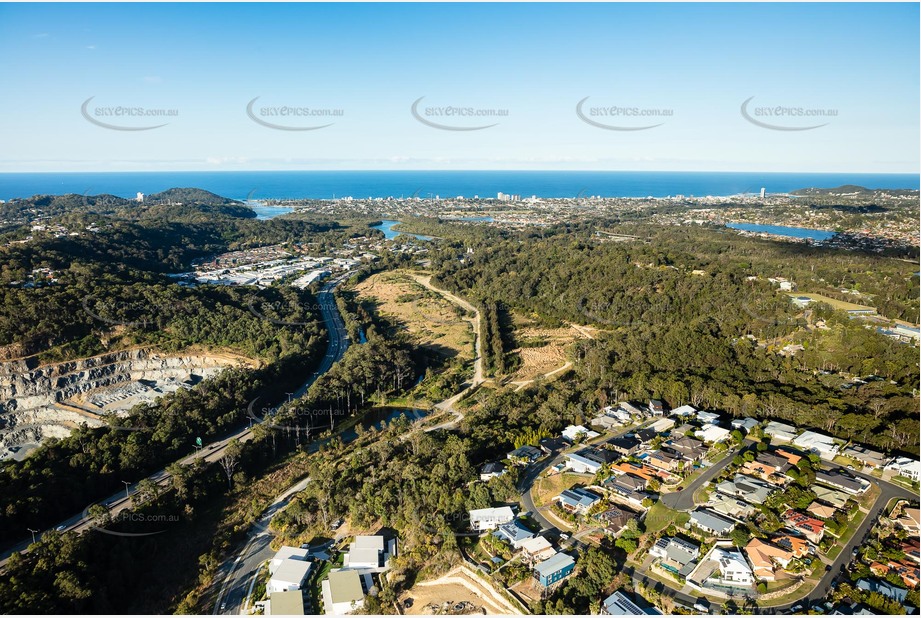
[236, 576]
[121, 500]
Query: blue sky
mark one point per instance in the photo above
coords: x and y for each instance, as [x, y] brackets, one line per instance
[693, 65]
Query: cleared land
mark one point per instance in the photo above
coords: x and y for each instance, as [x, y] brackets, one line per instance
[542, 350]
[456, 586]
[435, 322]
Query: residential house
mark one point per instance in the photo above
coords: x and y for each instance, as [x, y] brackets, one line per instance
[911, 547]
[708, 418]
[514, 532]
[748, 488]
[369, 552]
[812, 528]
[765, 558]
[905, 569]
[627, 481]
[536, 549]
[769, 467]
[624, 445]
[344, 591]
[554, 569]
[676, 555]
[710, 522]
[796, 545]
[684, 410]
[575, 433]
[285, 603]
[909, 519]
[722, 504]
[630, 409]
[780, 431]
[590, 460]
[884, 588]
[711, 434]
[844, 482]
[662, 425]
[619, 604]
[820, 444]
[656, 407]
[647, 435]
[641, 470]
[619, 414]
[289, 575]
[744, 424]
[621, 493]
[724, 566]
[615, 519]
[492, 470]
[828, 495]
[525, 454]
[903, 466]
[491, 518]
[286, 552]
[581, 464]
[663, 461]
[690, 449]
[868, 457]
[577, 500]
[554, 445]
[605, 422]
[788, 454]
[822, 511]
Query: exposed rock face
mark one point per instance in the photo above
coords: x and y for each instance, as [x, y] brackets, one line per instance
[38, 402]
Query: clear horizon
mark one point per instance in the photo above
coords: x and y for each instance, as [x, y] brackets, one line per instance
[734, 87]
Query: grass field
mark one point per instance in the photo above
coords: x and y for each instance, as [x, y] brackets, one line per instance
[541, 349]
[435, 322]
[546, 488]
[837, 304]
[660, 516]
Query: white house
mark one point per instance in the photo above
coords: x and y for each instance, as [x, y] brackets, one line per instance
[578, 463]
[747, 424]
[708, 417]
[289, 575]
[713, 434]
[684, 410]
[725, 566]
[286, 553]
[820, 444]
[491, 518]
[780, 431]
[577, 432]
[344, 591]
[369, 552]
[903, 466]
[662, 425]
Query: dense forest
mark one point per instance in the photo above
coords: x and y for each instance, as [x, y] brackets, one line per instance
[691, 330]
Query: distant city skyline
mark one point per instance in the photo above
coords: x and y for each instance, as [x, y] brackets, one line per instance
[825, 88]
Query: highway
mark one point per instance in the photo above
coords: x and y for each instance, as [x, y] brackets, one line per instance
[119, 501]
[238, 575]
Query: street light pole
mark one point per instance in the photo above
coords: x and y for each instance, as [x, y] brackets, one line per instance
[33, 534]
[127, 484]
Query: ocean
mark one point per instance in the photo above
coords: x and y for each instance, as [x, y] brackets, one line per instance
[424, 184]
